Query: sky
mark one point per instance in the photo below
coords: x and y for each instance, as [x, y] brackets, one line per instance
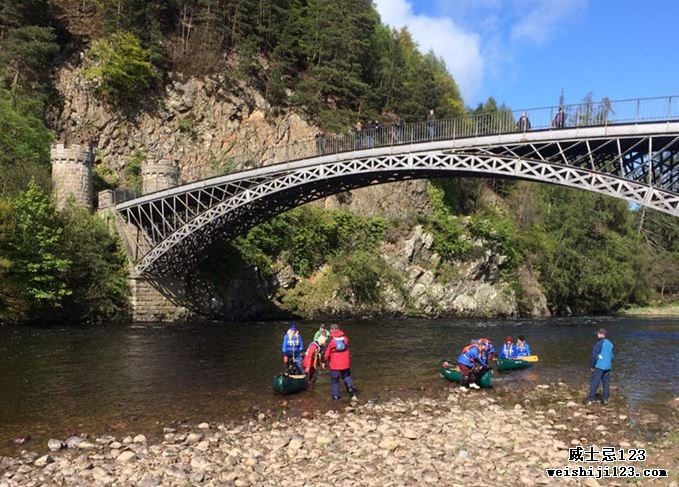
[524, 52]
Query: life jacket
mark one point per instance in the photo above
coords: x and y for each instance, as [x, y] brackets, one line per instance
[469, 347]
[340, 344]
[508, 350]
[489, 345]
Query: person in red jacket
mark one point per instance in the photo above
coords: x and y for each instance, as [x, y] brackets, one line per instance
[339, 361]
[313, 358]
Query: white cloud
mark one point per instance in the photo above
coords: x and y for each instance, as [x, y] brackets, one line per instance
[540, 19]
[459, 49]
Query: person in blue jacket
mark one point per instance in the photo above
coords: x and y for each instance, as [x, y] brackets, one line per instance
[292, 349]
[522, 347]
[600, 364]
[508, 350]
[471, 361]
[489, 353]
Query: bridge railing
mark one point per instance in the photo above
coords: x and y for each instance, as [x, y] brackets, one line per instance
[585, 114]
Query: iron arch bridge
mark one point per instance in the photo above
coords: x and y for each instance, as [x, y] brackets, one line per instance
[627, 149]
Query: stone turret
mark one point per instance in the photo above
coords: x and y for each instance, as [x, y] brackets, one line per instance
[71, 174]
[159, 175]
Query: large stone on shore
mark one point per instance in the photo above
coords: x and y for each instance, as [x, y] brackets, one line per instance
[99, 473]
[139, 439]
[389, 443]
[149, 482]
[194, 438]
[43, 461]
[411, 434]
[295, 444]
[126, 457]
[590, 482]
[54, 445]
[322, 440]
[74, 441]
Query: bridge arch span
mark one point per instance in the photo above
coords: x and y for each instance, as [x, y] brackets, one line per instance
[179, 224]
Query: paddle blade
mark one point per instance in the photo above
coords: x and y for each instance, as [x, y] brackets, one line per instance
[529, 358]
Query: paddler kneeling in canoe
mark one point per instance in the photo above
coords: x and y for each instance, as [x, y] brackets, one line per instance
[472, 364]
[508, 350]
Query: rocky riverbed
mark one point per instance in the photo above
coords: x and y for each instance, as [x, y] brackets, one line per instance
[456, 437]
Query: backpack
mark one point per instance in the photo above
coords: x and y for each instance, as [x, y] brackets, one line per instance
[340, 344]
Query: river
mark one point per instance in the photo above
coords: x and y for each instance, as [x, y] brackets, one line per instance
[134, 378]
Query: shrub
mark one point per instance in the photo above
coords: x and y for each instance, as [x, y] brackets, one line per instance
[122, 71]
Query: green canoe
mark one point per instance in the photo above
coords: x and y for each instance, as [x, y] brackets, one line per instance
[513, 363]
[452, 373]
[289, 384]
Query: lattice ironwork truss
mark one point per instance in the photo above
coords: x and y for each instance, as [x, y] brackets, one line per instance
[175, 227]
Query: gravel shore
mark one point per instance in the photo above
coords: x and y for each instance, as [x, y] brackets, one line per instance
[460, 438]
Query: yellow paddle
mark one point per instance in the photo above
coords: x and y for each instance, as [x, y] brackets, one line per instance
[529, 358]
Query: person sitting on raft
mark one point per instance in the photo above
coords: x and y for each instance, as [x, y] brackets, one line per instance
[312, 359]
[292, 349]
[508, 350]
[522, 347]
[489, 353]
[472, 363]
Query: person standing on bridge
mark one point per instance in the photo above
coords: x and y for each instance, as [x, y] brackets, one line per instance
[398, 130]
[358, 134]
[600, 364]
[431, 124]
[292, 349]
[523, 125]
[320, 142]
[339, 361]
[559, 119]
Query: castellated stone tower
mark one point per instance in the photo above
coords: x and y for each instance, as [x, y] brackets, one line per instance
[159, 175]
[71, 174]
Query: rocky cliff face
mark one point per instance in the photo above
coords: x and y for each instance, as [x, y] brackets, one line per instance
[212, 126]
[426, 286]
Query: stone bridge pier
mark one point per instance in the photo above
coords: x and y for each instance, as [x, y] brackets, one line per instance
[151, 299]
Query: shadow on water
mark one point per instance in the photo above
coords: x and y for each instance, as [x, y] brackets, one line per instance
[57, 381]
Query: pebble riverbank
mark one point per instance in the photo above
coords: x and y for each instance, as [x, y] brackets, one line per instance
[458, 438]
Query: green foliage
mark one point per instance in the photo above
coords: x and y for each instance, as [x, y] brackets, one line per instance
[450, 239]
[307, 297]
[186, 126]
[332, 59]
[132, 179]
[37, 266]
[98, 270]
[365, 273]
[27, 46]
[24, 148]
[104, 177]
[498, 232]
[58, 267]
[586, 247]
[309, 237]
[122, 70]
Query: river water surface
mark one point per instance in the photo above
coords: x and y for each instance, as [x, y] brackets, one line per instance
[132, 378]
